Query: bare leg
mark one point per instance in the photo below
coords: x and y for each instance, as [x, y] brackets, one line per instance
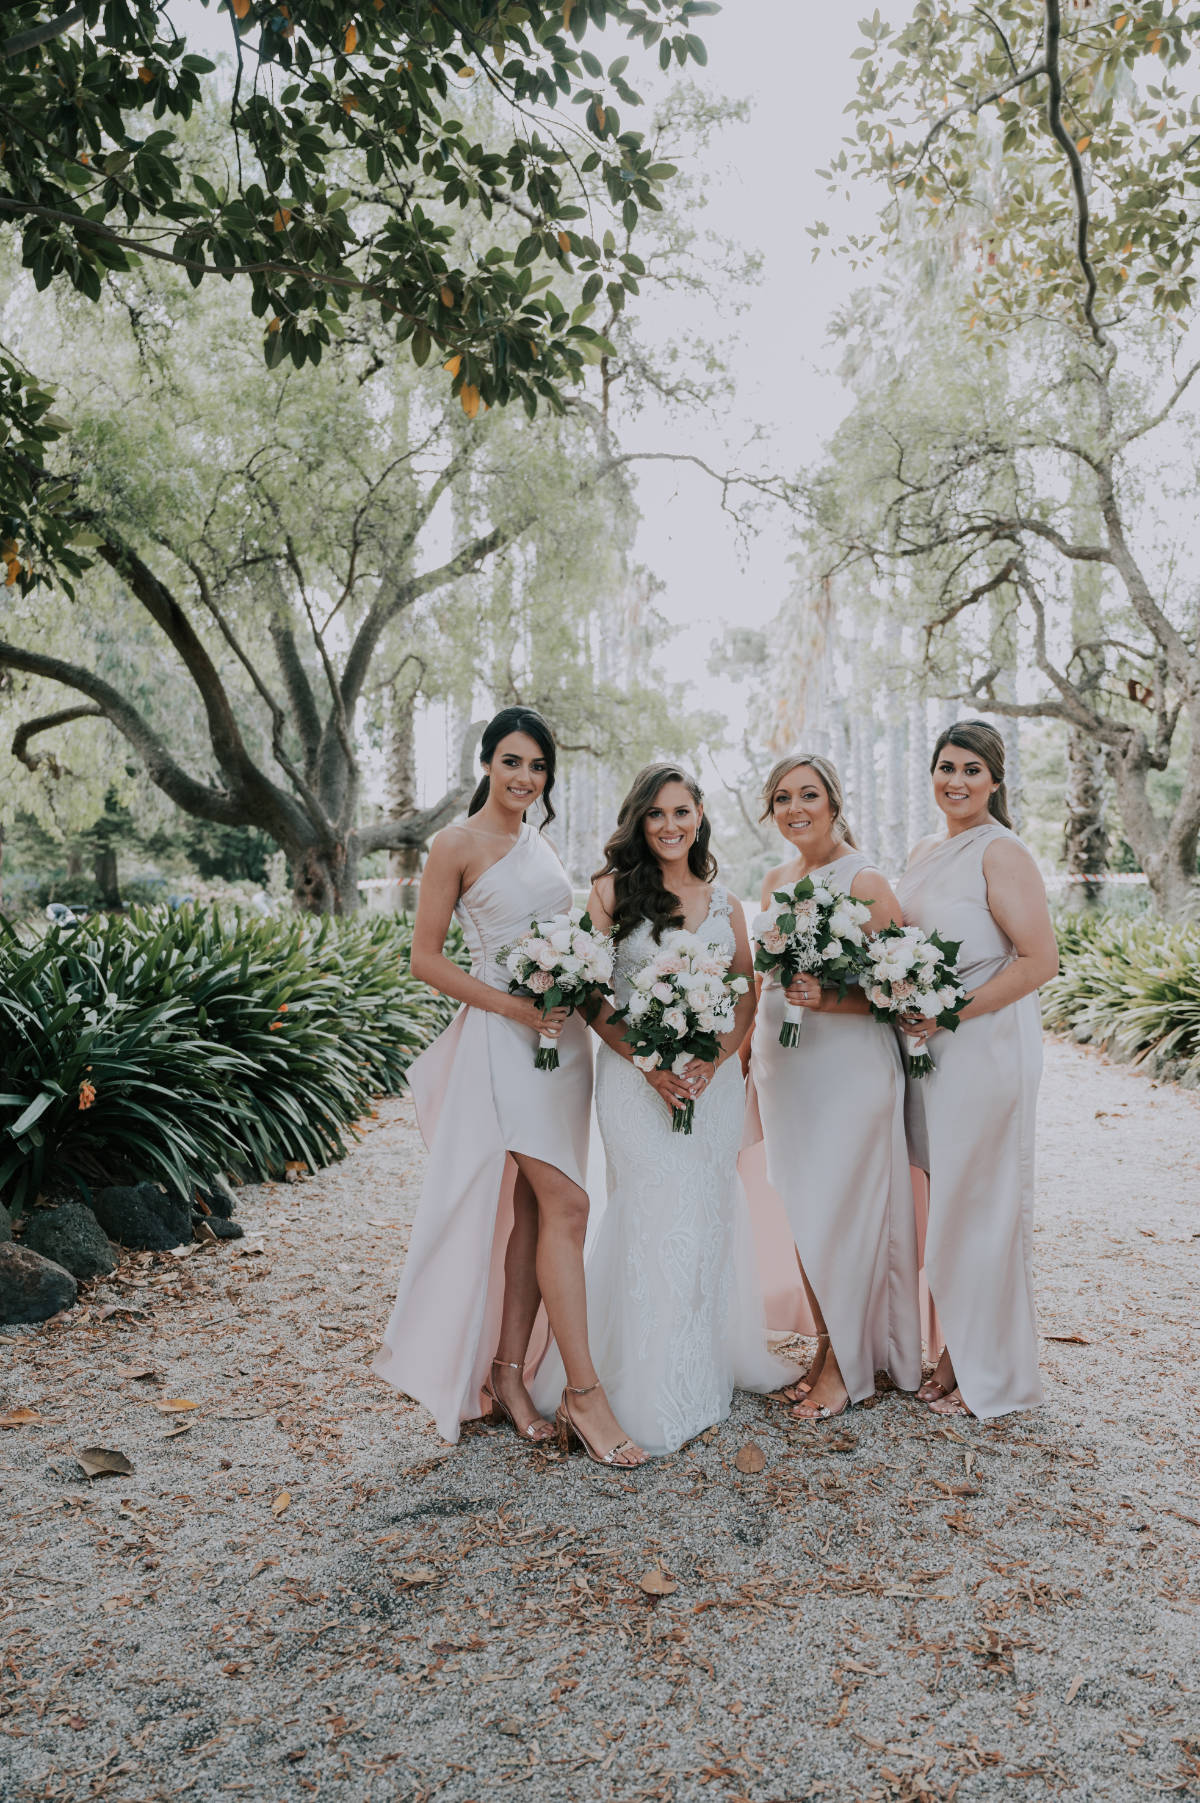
[562, 1224]
[521, 1299]
[826, 1390]
[802, 1387]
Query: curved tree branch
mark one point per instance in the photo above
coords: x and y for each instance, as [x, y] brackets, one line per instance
[1054, 119]
[418, 829]
[22, 41]
[33, 760]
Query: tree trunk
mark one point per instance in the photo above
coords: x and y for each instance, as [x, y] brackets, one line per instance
[323, 880]
[1085, 836]
[400, 777]
[104, 868]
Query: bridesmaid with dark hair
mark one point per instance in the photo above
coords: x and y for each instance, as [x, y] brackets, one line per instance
[503, 1212]
[971, 1120]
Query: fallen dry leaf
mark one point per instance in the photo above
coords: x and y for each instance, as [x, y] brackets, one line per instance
[1067, 1339]
[281, 1502]
[175, 1405]
[103, 1461]
[655, 1582]
[417, 1575]
[1073, 1687]
[19, 1418]
[295, 1170]
[749, 1458]
[185, 1427]
[139, 1373]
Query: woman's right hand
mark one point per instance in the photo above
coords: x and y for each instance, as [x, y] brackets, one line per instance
[673, 1090]
[527, 1013]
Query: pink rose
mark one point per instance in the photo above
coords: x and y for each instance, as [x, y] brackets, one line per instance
[539, 981]
[773, 940]
[902, 989]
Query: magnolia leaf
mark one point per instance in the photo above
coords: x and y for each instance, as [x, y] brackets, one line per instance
[655, 1582]
[19, 1418]
[103, 1461]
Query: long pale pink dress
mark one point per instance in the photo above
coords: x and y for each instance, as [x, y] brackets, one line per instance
[971, 1128]
[479, 1099]
[829, 1113]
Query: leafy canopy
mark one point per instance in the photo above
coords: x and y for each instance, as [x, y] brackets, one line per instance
[988, 118]
[343, 170]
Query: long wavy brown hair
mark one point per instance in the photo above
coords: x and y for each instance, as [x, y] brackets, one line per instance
[639, 890]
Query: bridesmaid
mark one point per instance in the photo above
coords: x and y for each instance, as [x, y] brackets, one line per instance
[503, 1212]
[831, 1113]
[971, 1121]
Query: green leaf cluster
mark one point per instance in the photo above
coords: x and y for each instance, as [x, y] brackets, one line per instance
[212, 1042]
[1131, 987]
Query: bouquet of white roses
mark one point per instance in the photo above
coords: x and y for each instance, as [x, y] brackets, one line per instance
[681, 1001]
[812, 931]
[559, 963]
[907, 971]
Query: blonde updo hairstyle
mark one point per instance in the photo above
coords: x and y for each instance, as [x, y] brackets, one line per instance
[831, 782]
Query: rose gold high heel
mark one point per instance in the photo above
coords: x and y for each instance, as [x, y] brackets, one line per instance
[567, 1426]
[528, 1434]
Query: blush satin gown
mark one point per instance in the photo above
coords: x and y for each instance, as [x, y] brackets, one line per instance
[478, 1099]
[826, 1170]
[971, 1128]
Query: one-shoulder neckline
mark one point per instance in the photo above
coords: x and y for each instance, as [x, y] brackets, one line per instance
[502, 859]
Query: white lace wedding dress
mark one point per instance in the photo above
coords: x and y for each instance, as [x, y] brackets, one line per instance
[675, 1312]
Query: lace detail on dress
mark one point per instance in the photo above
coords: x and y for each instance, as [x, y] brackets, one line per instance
[674, 1316]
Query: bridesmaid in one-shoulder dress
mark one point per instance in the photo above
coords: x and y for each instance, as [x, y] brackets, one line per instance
[503, 1212]
[971, 1120]
[830, 1114]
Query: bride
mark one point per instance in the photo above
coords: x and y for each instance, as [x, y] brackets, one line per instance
[675, 1315]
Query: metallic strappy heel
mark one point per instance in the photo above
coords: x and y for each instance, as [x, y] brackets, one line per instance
[567, 1426]
[530, 1433]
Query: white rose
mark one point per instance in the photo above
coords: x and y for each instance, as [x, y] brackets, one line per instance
[833, 950]
[739, 985]
[560, 939]
[644, 978]
[948, 997]
[662, 992]
[675, 1021]
[569, 963]
[650, 1062]
[637, 1005]
[822, 896]
[706, 1020]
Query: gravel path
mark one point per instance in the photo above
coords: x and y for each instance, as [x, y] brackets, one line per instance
[299, 1590]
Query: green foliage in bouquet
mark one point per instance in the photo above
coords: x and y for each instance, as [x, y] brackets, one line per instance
[1131, 986]
[176, 1047]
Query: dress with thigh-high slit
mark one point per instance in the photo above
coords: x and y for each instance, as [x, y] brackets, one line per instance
[971, 1128]
[824, 1147]
[479, 1099]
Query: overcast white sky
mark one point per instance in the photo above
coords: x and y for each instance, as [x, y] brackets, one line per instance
[791, 60]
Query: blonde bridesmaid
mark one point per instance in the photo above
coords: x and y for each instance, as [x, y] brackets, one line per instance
[503, 1212]
[971, 1121]
[830, 1112]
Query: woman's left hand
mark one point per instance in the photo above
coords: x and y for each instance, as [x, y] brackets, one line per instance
[803, 992]
[698, 1075]
[917, 1026]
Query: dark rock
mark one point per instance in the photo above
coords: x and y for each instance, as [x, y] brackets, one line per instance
[32, 1288]
[219, 1197]
[224, 1230]
[5, 1224]
[143, 1215]
[72, 1237]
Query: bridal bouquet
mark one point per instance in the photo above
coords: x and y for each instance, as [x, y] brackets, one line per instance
[680, 1002]
[561, 962]
[810, 931]
[910, 972]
